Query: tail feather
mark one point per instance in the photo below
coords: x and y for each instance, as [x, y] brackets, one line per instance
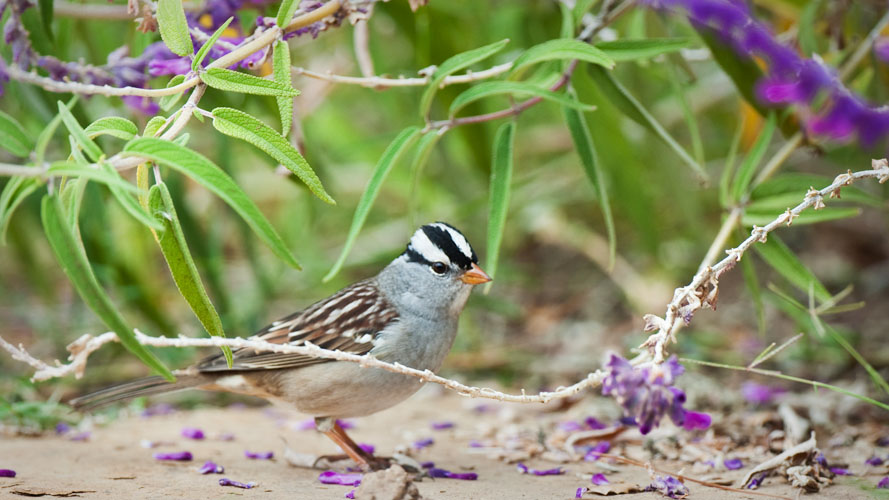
[147, 386]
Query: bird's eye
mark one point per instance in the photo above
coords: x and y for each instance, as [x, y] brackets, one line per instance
[439, 267]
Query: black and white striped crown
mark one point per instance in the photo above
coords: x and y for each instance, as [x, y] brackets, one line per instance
[440, 242]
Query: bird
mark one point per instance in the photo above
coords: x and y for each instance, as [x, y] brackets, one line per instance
[407, 314]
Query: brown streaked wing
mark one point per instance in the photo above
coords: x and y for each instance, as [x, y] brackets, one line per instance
[336, 323]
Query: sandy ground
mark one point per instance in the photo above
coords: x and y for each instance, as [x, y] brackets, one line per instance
[113, 464]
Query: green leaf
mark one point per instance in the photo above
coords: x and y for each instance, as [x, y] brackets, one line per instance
[781, 259]
[586, 149]
[205, 49]
[14, 193]
[87, 171]
[790, 189]
[47, 133]
[281, 71]
[581, 7]
[226, 79]
[629, 49]
[153, 126]
[46, 15]
[76, 131]
[626, 103]
[114, 126]
[168, 101]
[285, 12]
[561, 49]
[753, 159]
[752, 282]
[754, 216]
[390, 157]
[486, 89]
[128, 202]
[728, 170]
[182, 267]
[567, 29]
[13, 137]
[206, 173]
[498, 198]
[808, 41]
[174, 27]
[875, 376]
[238, 124]
[74, 262]
[452, 65]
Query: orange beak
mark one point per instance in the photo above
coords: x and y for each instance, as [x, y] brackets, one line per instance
[475, 276]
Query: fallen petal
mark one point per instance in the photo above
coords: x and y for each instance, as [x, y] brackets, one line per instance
[259, 455]
[211, 468]
[192, 433]
[333, 477]
[7, 473]
[176, 455]
[237, 484]
[600, 479]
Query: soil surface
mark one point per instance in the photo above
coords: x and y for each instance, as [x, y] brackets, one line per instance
[114, 462]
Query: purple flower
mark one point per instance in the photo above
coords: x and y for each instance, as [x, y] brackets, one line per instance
[733, 464]
[7, 473]
[192, 433]
[668, 486]
[523, 469]
[440, 426]
[594, 424]
[647, 393]
[756, 480]
[466, 476]
[332, 477]
[874, 460]
[211, 468]
[599, 479]
[758, 393]
[840, 471]
[237, 484]
[369, 448]
[884, 483]
[579, 493]
[260, 455]
[423, 443]
[350, 494]
[183, 456]
[596, 451]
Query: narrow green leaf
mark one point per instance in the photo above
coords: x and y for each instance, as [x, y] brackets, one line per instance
[182, 267]
[71, 195]
[752, 282]
[486, 89]
[691, 120]
[206, 173]
[13, 137]
[128, 202]
[586, 150]
[153, 126]
[561, 49]
[390, 157]
[875, 376]
[581, 7]
[14, 193]
[47, 133]
[168, 101]
[783, 260]
[728, 170]
[205, 49]
[76, 131]
[46, 15]
[285, 12]
[626, 103]
[174, 27]
[567, 28]
[760, 218]
[628, 49]
[752, 160]
[74, 262]
[452, 65]
[114, 126]
[232, 81]
[87, 171]
[498, 198]
[281, 71]
[238, 124]
[808, 41]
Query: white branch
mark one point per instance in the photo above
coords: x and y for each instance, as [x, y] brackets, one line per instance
[383, 82]
[704, 287]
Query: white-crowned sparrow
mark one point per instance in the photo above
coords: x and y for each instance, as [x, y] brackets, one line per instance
[405, 314]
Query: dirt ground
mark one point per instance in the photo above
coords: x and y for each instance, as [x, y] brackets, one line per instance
[115, 464]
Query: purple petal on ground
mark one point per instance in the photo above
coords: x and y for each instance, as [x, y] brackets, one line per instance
[192, 433]
[522, 468]
[467, 476]
[599, 479]
[733, 464]
[756, 481]
[333, 477]
[840, 471]
[695, 420]
[440, 426]
[759, 393]
[259, 455]
[570, 426]
[476, 444]
[548, 472]
[579, 493]
[305, 425]
[369, 448]
[176, 455]
[62, 428]
[482, 408]
[423, 443]
[350, 494]
[80, 436]
[594, 423]
[237, 484]
[884, 483]
[345, 424]
[427, 465]
[668, 486]
[874, 460]
[821, 459]
[211, 468]
[596, 451]
[7, 473]
[883, 441]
